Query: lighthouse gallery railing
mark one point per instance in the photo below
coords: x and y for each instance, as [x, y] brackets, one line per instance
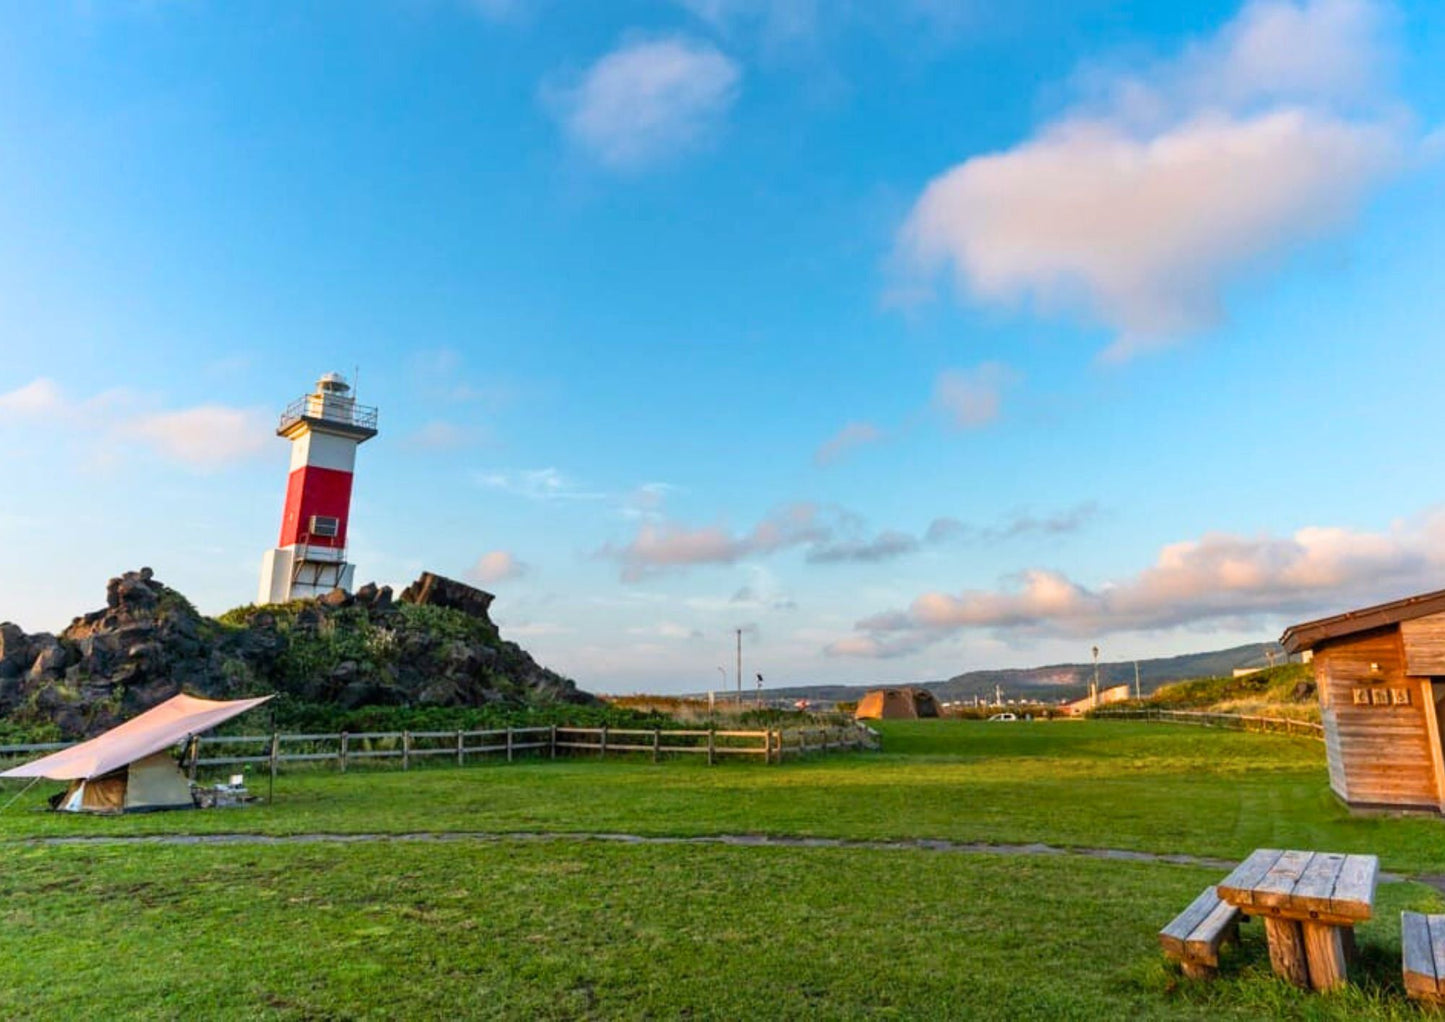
[310, 406]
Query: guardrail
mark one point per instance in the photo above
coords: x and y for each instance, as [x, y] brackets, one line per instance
[345, 748]
[1229, 721]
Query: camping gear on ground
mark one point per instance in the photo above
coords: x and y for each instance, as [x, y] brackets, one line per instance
[130, 768]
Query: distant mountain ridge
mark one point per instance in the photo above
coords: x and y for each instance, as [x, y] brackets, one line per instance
[1053, 682]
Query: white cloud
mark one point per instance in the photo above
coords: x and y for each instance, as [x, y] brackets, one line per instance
[972, 397]
[645, 502]
[660, 546]
[536, 629]
[883, 547]
[205, 437]
[36, 398]
[544, 484]
[851, 437]
[1140, 208]
[438, 435]
[496, 566]
[665, 630]
[1219, 577]
[782, 23]
[778, 20]
[648, 101]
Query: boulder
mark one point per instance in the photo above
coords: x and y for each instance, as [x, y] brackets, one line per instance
[16, 651]
[438, 591]
[336, 599]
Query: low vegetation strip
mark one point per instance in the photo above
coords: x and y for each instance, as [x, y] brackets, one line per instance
[344, 749]
[1284, 691]
[1230, 721]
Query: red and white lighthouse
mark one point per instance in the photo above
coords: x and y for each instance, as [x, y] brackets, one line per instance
[325, 428]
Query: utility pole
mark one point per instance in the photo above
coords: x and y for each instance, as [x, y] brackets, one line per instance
[1136, 680]
[1094, 689]
[740, 667]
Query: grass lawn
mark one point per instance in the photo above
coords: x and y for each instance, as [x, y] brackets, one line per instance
[586, 930]
[578, 929]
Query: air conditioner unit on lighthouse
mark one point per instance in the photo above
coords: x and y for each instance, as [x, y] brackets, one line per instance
[325, 428]
[325, 527]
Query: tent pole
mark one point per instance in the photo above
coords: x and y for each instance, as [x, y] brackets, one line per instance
[17, 798]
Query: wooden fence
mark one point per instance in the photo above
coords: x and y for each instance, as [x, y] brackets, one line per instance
[1230, 721]
[345, 748]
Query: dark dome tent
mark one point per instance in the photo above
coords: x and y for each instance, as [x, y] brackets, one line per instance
[896, 704]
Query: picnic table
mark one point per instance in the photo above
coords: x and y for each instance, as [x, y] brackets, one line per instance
[1310, 903]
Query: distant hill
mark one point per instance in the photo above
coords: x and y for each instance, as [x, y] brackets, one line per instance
[1062, 681]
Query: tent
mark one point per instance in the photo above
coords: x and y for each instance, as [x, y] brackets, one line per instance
[908, 703]
[130, 767]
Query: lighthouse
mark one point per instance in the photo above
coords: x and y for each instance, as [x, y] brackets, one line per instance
[325, 427]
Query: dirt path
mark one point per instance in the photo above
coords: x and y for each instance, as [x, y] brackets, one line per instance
[734, 840]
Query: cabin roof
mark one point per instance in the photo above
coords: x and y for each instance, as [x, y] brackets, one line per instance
[1311, 633]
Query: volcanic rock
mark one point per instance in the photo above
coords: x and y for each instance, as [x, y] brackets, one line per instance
[343, 650]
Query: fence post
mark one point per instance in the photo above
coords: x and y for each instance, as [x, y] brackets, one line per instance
[275, 755]
[602, 748]
[195, 751]
[553, 742]
[509, 743]
[406, 750]
[768, 747]
[461, 748]
[345, 737]
[711, 747]
[656, 743]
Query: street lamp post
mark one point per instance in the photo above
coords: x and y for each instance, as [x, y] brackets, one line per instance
[740, 667]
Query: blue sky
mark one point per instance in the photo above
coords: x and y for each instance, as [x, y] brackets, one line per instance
[911, 337]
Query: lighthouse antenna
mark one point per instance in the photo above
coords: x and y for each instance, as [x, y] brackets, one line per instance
[355, 381]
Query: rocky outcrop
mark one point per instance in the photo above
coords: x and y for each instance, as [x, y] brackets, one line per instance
[437, 645]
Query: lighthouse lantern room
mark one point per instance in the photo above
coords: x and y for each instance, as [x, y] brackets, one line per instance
[325, 427]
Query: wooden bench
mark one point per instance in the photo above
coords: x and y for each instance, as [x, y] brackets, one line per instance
[1194, 937]
[1422, 941]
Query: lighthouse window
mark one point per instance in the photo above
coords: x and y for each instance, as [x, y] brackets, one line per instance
[325, 525]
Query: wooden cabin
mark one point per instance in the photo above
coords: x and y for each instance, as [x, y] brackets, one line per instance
[1380, 673]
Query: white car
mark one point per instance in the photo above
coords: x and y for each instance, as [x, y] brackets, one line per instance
[1004, 716]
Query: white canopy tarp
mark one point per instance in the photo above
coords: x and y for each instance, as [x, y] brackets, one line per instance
[157, 729]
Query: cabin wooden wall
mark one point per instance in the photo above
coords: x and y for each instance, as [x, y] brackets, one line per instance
[1424, 640]
[1379, 753]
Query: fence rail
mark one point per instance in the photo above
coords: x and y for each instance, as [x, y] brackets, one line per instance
[1229, 721]
[771, 745]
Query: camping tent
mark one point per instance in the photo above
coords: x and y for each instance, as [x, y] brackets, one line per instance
[130, 767]
[895, 703]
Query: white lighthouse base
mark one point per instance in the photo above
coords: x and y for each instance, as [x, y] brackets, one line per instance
[321, 570]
